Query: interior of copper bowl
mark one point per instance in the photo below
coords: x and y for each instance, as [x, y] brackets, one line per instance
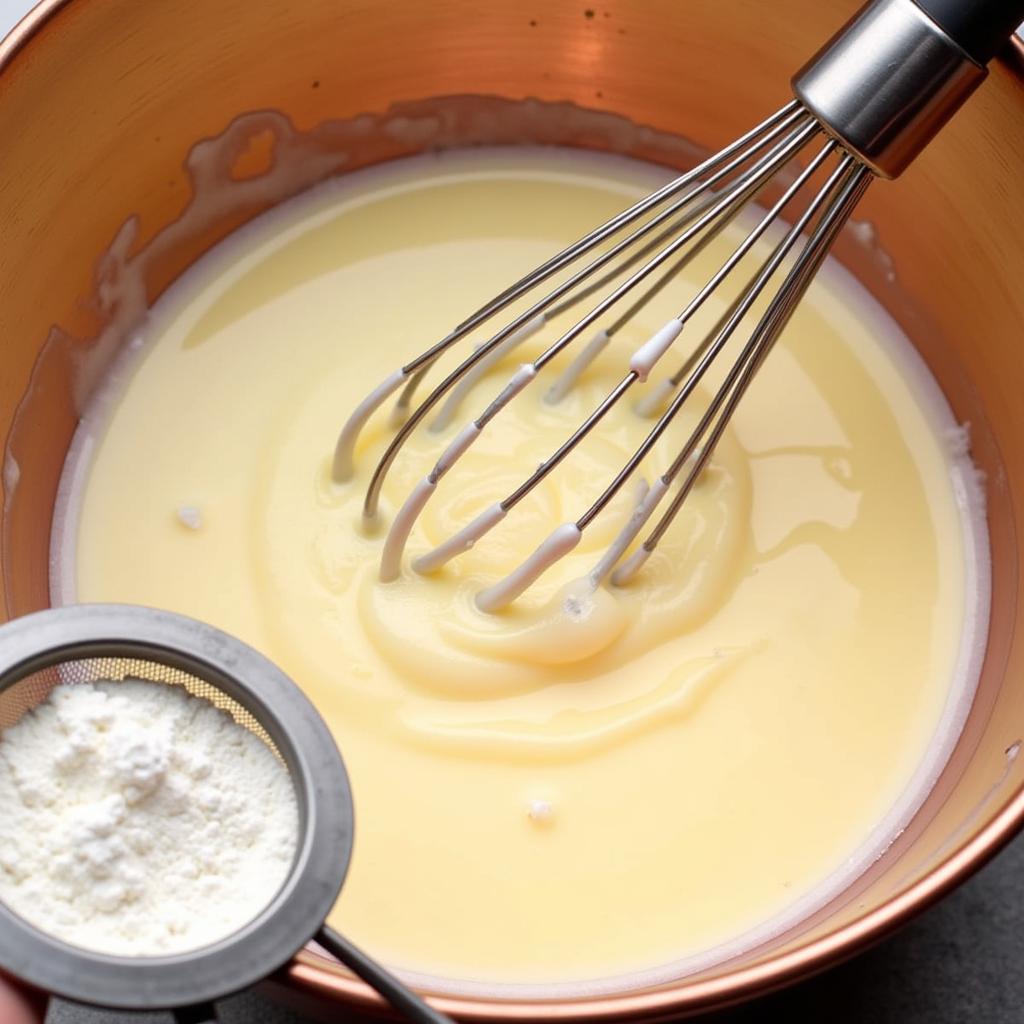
[101, 102]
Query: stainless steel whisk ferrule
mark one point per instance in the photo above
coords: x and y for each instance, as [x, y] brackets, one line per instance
[866, 105]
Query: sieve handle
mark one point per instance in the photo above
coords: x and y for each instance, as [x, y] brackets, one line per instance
[203, 1013]
[401, 998]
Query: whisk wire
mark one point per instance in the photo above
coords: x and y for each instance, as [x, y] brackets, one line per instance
[343, 466]
[722, 407]
[643, 361]
[506, 590]
[708, 216]
[746, 300]
[696, 214]
[634, 375]
[750, 143]
[492, 516]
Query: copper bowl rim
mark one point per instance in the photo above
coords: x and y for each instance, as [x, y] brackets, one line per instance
[316, 975]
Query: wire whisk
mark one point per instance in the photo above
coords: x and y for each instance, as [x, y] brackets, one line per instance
[865, 106]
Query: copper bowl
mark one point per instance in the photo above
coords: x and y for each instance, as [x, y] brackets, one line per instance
[101, 100]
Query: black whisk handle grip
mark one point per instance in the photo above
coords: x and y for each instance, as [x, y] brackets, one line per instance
[979, 27]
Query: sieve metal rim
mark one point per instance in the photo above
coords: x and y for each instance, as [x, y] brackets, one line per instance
[326, 817]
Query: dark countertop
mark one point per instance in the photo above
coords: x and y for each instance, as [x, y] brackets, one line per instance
[962, 961]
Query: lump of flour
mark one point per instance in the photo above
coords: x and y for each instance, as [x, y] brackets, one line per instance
[140, 820]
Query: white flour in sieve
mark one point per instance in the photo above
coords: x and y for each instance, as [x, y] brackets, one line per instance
[139, 820]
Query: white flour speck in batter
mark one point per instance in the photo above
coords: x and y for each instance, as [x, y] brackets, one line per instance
[140, 820]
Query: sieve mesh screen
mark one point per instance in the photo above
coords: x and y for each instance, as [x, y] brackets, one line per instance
[27, 693]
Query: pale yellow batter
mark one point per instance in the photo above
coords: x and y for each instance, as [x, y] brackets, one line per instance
[541, 800]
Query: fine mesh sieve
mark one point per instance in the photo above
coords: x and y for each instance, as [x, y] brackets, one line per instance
[89, 643]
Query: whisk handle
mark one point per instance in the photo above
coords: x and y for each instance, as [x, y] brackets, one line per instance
[979, 27]
[401, 998]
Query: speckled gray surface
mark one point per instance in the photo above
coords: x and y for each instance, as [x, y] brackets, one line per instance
[962, 961]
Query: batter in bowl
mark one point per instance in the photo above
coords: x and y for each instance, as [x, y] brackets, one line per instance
[549, 802]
